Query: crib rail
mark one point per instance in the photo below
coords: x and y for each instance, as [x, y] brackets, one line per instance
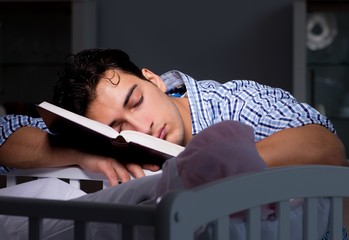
[179, 213]
[188, 210]
[80, 211]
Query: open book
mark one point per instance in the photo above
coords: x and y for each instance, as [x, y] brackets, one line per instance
[95, 137]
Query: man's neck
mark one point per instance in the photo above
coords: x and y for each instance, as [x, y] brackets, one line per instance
[184, 109]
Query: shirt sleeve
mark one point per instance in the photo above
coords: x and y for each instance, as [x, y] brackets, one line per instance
[290, 115]
[10, 123]
[267, 109]
[270, 110]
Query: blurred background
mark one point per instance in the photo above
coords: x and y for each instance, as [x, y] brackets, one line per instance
[298, 45]
[222, 40]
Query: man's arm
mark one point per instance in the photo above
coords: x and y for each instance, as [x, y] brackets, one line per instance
[309, 144]
[29, 147]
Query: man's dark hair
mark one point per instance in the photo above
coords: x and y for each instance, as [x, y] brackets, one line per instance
[81, 72]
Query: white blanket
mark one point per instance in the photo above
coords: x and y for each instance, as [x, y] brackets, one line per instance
[46, 188]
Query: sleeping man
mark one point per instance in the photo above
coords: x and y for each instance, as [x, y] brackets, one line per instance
[104, 85]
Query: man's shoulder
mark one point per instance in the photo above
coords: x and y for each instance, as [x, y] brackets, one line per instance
[231, 87]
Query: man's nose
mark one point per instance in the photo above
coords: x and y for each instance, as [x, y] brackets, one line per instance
[140, 124]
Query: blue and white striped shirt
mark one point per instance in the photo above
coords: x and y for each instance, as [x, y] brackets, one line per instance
[266, 109]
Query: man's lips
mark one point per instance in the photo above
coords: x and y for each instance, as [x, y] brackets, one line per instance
[162, 132]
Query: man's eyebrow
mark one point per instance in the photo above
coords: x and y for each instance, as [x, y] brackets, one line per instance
[129, 94]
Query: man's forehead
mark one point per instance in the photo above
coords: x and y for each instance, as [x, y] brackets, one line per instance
[112, 76]
[115, 84]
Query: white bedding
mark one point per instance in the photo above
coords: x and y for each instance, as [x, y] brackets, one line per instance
[46, 188]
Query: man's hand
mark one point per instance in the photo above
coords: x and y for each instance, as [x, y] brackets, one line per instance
[30, 147]
[115, 171]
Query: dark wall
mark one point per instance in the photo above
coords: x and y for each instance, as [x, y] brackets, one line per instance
[34, 39]
[221, 40]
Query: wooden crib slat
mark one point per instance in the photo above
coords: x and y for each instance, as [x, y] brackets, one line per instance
[174, 217]
[310, 219]
[253, 228]
[10, 180]
[35, 228]
[75, 183]
[105, 184]
[80, 230]
[336, 218]
[283, 215]
[127, 232]
[221, 229]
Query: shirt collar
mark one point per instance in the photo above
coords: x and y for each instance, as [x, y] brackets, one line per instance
[198, 115]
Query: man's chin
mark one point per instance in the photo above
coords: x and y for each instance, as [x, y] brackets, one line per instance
[178, 141]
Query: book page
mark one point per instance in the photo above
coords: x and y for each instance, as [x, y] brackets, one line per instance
[152, 142]
[81, 120]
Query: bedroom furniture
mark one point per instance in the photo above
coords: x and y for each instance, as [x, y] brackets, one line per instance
[180, 213]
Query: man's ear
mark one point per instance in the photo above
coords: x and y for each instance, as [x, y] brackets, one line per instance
[152, 77]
